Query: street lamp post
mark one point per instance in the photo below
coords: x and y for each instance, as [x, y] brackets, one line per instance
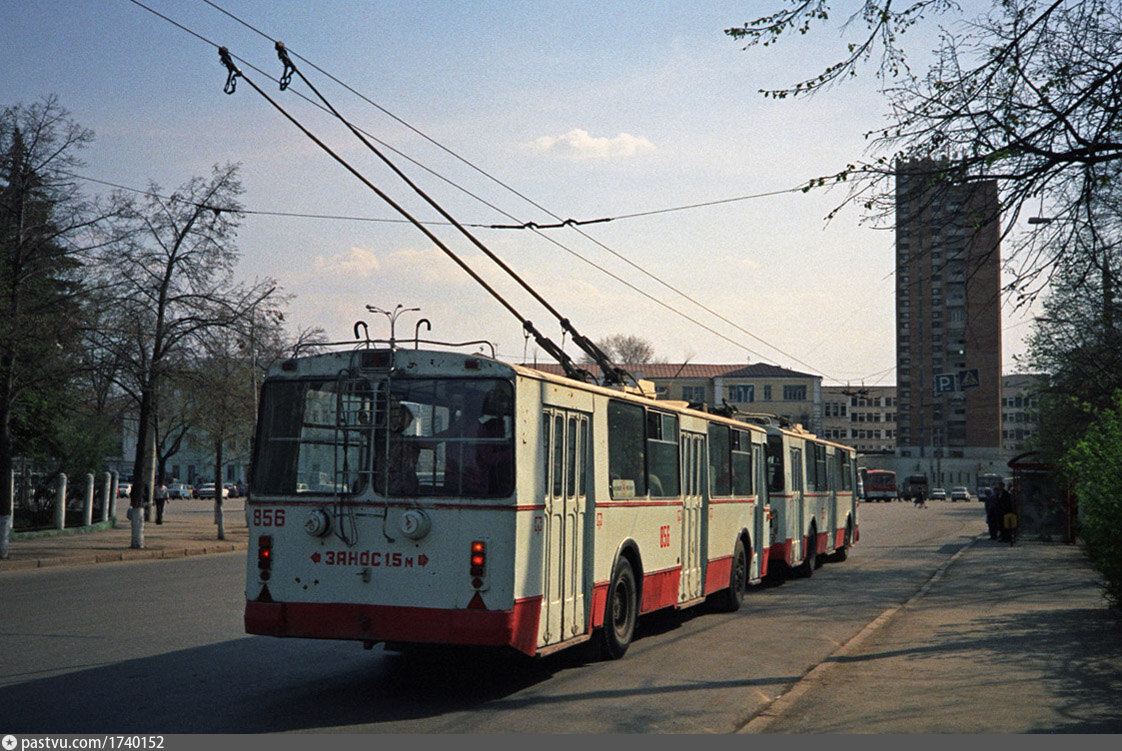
[393, 316]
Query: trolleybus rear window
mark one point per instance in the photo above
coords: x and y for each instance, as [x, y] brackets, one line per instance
[400, 437]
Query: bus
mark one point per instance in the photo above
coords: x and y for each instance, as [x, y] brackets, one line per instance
[914, 488]
[988, 480]
[422, 496]
[812, 493]
[880, 485]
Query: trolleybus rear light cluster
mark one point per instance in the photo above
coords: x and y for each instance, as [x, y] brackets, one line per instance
[265, 555]
[478, 562]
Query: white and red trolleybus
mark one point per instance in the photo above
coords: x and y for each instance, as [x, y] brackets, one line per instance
[811, 491]
[413, 496]
[880, 485]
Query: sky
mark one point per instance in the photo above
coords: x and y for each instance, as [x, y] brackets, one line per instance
[643, 112]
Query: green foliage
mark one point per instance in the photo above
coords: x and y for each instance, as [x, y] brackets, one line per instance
[1095, 466]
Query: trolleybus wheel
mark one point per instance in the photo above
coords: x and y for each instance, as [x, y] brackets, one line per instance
[620, 612]
[730, 600]
[843, 552]
[810, 561]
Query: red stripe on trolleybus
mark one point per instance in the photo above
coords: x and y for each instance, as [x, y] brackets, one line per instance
[516, 628]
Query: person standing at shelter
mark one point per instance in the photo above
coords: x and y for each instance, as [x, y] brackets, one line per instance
[1004, 509]
[160, 496]
[993, 519]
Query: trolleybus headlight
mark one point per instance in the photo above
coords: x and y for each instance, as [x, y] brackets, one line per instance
[318, 523]
[415, 524]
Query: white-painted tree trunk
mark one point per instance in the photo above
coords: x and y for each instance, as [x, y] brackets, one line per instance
[219, 517]
[5, 535]
[136, 517]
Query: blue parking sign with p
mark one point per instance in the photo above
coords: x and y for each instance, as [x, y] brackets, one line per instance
[945, 383]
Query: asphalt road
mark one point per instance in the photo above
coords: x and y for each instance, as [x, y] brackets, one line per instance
[158, 647]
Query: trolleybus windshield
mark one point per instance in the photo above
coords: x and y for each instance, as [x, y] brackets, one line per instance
[395, 437]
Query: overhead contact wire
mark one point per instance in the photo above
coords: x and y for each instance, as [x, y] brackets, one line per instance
[560, 223]
[231, 82]
[611, 372]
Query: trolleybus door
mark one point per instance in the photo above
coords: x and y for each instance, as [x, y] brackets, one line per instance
[565, 440]
[796, 527]
[833, 482]
[761, 533]
[693, 516]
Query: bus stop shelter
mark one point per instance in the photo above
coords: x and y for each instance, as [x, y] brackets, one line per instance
[1045, 506]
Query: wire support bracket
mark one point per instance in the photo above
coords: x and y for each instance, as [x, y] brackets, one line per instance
[232, 70]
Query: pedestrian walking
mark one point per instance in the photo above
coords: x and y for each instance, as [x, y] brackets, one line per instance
[161, 498]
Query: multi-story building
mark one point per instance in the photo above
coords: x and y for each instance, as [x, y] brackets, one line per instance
[1018, 412]
[948, 315]
[860, 416]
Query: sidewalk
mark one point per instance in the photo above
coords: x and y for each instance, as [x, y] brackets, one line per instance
[188, 529]
[1001, 640]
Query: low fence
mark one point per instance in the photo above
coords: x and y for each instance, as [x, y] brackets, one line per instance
[55, 502]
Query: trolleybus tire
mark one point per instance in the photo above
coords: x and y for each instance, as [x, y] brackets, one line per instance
[843, 552]
[729, 600]
[810, 560]
[620, 612]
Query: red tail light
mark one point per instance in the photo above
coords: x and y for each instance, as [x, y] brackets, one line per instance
[478, 558]
[265, 555]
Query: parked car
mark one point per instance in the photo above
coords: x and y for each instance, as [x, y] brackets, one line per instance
[232, 490]
[124, 489]
[938, 494]
[206, 490]
[179, 490]
[960, 493]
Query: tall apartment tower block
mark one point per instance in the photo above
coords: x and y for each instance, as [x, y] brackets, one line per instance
[948, 315]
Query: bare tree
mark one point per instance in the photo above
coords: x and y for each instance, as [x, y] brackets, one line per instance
[1027, 95]
[626, 350]
[174, 284]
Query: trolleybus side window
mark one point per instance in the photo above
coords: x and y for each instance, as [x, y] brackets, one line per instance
[775, 463]
[720, 456]
[818, 479]
[741, 462]
[627, 454]
[844, 472]
[662, 455]
[558, 457]
[571, 450]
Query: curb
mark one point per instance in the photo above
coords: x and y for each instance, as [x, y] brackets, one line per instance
[129, 554]
[37, 534]
[780, 704]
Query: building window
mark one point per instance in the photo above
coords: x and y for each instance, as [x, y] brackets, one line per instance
[767, 393]
[794, 393]
[744, 392]
[693, 393]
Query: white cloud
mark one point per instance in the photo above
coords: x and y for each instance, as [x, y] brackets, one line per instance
[358, 261]
[579, 144]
